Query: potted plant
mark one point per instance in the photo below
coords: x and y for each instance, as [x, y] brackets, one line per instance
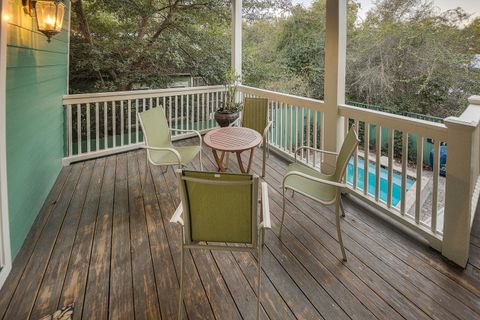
[230, 108]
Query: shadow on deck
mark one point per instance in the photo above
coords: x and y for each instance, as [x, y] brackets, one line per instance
[101, 244]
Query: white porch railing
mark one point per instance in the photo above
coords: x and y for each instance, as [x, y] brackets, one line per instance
[382, 133]
[104, 123]
[385, 172]
[297, 121]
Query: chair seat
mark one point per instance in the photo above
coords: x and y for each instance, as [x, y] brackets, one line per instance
[319, 191]
[187, 154]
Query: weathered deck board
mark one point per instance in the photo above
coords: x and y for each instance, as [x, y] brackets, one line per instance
[121, 305]
[96, 299]
[109, 248]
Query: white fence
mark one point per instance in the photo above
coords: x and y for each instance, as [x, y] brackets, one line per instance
[385, 172]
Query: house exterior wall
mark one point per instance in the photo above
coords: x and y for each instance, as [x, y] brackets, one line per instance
[36, 82]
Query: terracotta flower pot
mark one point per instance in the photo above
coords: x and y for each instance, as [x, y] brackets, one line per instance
[225, 119]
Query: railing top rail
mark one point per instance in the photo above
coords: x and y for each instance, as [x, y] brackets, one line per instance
[285, 97]
[124, 95]
[397, 122]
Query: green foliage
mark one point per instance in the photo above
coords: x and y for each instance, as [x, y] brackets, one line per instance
[405, 56]
[231, 104]
[408, 57]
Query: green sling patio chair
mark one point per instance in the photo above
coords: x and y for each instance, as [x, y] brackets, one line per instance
[255, 116]
[210, 221]
[320, 187]
[158, 141]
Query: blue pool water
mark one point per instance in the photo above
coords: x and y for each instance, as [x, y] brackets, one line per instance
[397, 181]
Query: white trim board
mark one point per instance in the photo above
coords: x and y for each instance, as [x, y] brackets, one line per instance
[5, 250]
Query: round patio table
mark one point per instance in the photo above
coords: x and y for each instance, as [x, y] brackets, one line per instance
[235, 140]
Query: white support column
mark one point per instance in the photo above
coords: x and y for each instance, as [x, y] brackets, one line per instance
[335, 60]
[461, 194]
[237, 36]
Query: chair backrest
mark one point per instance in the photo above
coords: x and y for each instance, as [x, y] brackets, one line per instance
[348, 148]
[255, 114]
[155, 128]
[219, 207]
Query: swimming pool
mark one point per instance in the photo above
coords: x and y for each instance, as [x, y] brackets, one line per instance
[397, 181]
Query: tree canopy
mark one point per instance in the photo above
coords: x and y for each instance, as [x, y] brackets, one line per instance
[405, 55]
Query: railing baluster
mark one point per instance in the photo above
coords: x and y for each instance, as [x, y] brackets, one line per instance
[277, 124]
[366, 150]
[403, 199]
[302, 128]
[315, 130]
[97, 126]
[355, 160]
[436, 173]
[89, 135]
[203, 111]
[70, 133]
[290, 145]
[137, 110]
[191, 106]
[79, 129]
[295, 126]
[129, 121]
[418, 183]
[308, 133]
[122, 124]
[105, 125]
[182, 119]
[87, 107]
[170, 121]
[378, 160]
[114, 123]
[207, 118]
[144, 108]
[198, 111]
[391, 141]
[188, 114]
[272, 118]
[175, 108]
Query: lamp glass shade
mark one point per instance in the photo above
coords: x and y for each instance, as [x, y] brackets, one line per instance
[49, 16]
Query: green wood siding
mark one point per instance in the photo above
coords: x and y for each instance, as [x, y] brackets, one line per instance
[36, 82]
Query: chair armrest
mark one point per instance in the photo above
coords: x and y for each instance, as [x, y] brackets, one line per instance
[177, 216]
[266, 224]
[172, 150]
[314, 149]
[265, 131]
[189, 130]
[235, 123]
[306, 176]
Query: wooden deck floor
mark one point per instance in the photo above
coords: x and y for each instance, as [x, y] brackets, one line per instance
[100, 244]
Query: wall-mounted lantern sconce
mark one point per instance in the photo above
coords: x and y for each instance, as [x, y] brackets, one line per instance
[49, 15]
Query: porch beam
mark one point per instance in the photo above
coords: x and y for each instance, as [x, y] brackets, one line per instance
[237, 7]
[334, 83]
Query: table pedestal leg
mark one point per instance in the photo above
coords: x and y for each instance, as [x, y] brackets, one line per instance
[250, 160]
[240, 163]
[218, 160]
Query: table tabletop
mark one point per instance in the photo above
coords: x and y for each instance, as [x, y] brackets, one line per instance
[232, 139]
